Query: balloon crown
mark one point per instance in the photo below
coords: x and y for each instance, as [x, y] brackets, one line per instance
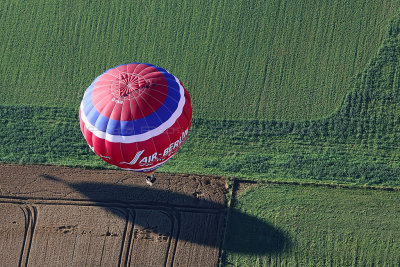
[127, 83]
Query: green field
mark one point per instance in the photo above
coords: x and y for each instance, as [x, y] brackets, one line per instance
[290, 60]
[313, 226]
[358, 144]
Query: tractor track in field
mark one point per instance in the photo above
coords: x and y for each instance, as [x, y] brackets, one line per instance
[60, 215]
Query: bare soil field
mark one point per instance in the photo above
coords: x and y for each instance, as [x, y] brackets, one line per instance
[60, 216]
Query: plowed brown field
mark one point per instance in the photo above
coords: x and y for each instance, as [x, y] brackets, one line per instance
[59, 216]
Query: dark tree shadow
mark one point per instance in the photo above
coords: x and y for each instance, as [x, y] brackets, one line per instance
[245, 233]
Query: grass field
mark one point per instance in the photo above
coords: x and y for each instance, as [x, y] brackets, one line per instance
[314, 226]
[358, 144]
[290, 60]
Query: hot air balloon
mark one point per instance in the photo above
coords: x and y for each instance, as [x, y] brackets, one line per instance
[136, 116]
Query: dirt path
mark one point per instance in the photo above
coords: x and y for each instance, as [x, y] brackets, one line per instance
[59, 216]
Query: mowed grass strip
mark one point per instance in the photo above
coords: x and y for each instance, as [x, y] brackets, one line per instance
[259, 151]
[239, 59]
[314, 226]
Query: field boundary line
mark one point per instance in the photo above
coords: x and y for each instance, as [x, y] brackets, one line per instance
[315, 184]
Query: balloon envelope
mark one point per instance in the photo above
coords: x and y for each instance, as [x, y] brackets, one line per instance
[135, 116]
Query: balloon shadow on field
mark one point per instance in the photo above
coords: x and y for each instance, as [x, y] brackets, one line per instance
[244, 233]
[249, 235]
